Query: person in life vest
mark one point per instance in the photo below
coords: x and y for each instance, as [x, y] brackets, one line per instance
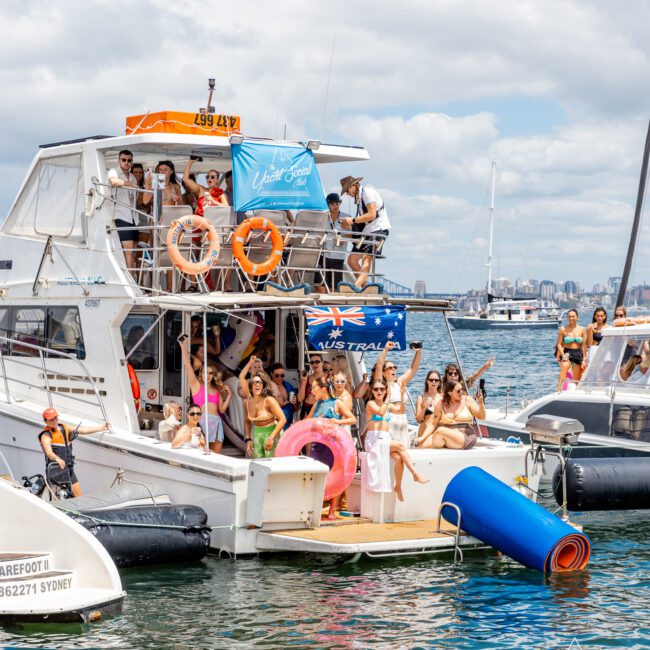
[57, 446]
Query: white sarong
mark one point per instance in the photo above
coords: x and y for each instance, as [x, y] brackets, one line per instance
[378, 461]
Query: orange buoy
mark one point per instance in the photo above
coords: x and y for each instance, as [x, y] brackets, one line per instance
[241, 234]
[135, 385]
[189, 224]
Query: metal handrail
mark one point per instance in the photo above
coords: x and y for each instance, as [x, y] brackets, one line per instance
[42, 351]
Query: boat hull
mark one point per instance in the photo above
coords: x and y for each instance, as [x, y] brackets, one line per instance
[468, 323]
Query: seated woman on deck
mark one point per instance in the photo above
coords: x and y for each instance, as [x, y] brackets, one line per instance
[190, 434]
[427, 401]
[453, 416]
[336, 411]
[264, 419]
[379, 446]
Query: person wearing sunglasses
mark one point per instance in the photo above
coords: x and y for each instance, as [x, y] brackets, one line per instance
[286, 393]
[329, 408]
[123, 194]
[381, 448]
[427, 401]
[305, 397]
[190, 435]
[218, 398]
[387, 370]
[208, 196]
[452, 425]
[453, 373]
[263, 421]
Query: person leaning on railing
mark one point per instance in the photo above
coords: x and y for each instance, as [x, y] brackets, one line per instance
[57, 446]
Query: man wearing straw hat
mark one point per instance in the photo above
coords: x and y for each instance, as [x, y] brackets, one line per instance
[371, 219]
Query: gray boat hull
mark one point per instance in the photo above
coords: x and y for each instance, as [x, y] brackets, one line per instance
[469, 323]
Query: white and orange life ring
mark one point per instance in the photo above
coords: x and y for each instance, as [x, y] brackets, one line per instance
[241, 235]
[187, 225]
[135, 385]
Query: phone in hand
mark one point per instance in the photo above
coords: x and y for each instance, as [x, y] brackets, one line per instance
[181, 339]
[481, 388]
[415, 345]
[197, 158]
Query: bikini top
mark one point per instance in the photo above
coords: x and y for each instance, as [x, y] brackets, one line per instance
[597, 336]
[326, 409]
[462, 416]
[572, 339]
[375, 417]
[263, 414]
[199, 397]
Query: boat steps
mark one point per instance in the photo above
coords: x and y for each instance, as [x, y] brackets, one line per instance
[372, 539]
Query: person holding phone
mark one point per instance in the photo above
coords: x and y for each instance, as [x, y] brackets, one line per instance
[190, 434]
[313, 370]
[208, 196]
[427, 401]
[387, 371]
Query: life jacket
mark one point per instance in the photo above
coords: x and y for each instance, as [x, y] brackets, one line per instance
[61, 444]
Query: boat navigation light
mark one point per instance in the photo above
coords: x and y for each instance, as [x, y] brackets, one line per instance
[236, 139]
[313, 145]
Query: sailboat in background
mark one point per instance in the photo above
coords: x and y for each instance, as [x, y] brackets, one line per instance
[505, 313]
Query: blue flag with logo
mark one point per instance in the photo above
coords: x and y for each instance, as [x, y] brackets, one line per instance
[356, 328]
[275, 177]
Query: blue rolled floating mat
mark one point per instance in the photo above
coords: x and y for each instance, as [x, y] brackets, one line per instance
[506, 520]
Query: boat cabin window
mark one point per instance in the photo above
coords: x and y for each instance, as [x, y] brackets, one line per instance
[142, 353]
[53, 328]
[621, 360]
[52, 200]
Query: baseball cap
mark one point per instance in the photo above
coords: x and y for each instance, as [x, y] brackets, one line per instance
[333, 198]
[49, 414]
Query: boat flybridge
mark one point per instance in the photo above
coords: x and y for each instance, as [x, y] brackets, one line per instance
[612, 400]
[81, 332]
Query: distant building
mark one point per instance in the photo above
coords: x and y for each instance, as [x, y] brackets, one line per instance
[571, 288]
[420, 289]
[546, 290]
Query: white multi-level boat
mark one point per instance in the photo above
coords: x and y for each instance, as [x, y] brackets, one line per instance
[75, 322]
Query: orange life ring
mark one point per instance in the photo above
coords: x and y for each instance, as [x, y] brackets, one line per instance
[241, 234]
[186, 225]
[135, 385]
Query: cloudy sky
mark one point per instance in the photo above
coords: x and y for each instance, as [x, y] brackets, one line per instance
[556, 92]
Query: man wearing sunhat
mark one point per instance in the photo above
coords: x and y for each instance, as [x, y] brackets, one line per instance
[371, 219]
[336, 245]
[56, 442]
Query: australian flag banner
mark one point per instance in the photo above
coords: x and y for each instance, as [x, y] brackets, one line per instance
[357, 329]
[275, 177]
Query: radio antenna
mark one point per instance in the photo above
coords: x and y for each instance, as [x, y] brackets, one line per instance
[327, 89]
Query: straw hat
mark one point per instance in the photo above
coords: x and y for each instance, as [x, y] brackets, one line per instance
[348, 182]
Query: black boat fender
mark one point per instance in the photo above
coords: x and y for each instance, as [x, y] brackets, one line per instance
[605, 484]
[151, 534]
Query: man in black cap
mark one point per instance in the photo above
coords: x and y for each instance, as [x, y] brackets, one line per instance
[336, 244]
[371, 219]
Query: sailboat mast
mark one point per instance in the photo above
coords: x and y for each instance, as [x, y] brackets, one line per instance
[491, 232]
[635, 224]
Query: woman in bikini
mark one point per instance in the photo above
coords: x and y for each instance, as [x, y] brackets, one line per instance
[218, 397]
[172, 194]
[453, 416]
[572, 342]
[379, 445]
[208, 196]
[336, 411]
[595, 330]
[264, 419]
[426, 402]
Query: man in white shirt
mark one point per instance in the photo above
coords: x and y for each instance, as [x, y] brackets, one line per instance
[371, 219]
[121, 178]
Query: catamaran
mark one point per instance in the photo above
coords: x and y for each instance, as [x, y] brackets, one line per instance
[86, 333]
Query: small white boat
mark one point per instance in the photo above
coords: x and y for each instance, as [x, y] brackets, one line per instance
[51, 568]
[502, 313]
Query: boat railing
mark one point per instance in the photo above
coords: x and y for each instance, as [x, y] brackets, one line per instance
[306, 243]
[25, 379]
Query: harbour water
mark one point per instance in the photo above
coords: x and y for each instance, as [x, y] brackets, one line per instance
[488, 601]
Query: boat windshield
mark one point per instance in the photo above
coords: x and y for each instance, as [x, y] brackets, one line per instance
[623, 361]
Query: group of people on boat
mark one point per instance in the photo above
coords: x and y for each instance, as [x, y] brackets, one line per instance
[576, 346]
[132, 195]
